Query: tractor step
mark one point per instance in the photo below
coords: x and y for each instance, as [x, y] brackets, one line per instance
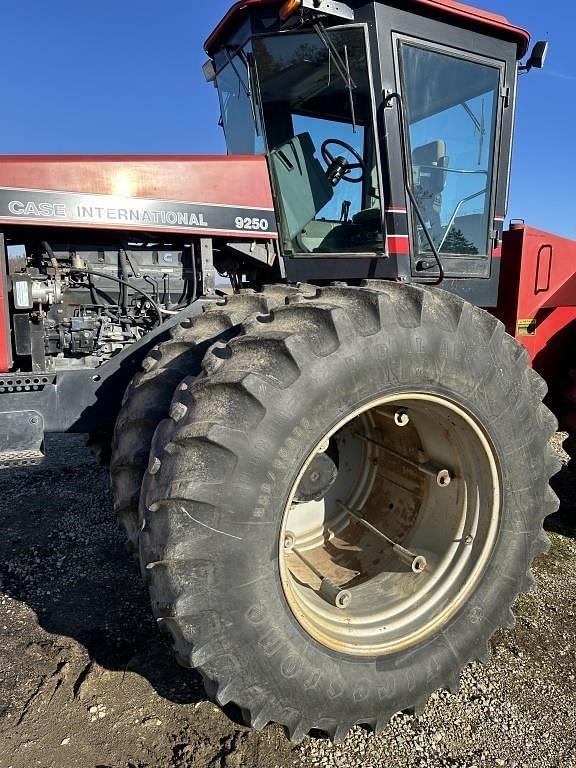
[21, 439]
[9, 459]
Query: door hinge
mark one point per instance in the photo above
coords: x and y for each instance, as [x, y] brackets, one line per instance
[505, 94]
[388, 101]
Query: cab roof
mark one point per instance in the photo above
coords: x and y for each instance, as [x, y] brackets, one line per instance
[483, 21]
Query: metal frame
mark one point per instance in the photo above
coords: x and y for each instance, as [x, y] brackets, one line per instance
[6, 359]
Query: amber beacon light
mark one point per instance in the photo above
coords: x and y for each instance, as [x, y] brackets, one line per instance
[289, 8]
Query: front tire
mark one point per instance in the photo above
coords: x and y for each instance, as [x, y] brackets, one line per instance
[304, 381]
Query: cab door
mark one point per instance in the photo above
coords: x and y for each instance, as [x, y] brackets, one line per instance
[449, 92]
[453, 110]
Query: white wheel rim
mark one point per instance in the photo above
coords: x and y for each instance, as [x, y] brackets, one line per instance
[454, 527]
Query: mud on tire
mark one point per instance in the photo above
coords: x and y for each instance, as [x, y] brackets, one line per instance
[223, 467]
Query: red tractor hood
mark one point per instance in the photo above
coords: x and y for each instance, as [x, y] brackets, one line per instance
[208, 194]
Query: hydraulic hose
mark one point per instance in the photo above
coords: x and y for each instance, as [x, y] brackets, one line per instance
[408, 185]
[124, 283]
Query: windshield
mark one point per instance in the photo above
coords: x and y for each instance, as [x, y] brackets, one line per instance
[317, 104]
[452, 114]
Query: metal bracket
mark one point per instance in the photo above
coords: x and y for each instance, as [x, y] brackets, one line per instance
[208, 271]
[261, 252]
[388, 102]
[330, 8]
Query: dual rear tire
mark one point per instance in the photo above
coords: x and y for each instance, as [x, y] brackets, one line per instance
[414, 425]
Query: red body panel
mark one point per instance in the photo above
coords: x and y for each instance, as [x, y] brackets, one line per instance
[538, 294]
[484, 20]
[242, 181]
[227, 181]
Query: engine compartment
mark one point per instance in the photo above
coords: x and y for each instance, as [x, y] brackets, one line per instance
[79, 304]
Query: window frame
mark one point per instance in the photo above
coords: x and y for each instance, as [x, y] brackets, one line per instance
[455, 265]
[384, 253]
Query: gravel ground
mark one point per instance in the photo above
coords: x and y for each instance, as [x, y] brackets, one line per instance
[86, 681]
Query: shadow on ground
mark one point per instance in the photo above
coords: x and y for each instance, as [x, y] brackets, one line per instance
[86, 678]
[62, 554]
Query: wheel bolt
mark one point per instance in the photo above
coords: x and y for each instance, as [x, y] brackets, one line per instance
[401, 418]
[444, 478]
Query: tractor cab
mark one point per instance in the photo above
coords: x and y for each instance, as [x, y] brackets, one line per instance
[387, 127]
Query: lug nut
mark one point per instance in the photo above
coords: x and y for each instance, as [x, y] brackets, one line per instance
[331, 592]
[401, 418]
[444, 478]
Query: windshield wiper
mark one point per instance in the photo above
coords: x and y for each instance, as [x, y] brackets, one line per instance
[245, 87]
[342, 65]
[350, 92]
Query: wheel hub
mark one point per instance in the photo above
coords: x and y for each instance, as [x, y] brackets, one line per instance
[318, 478]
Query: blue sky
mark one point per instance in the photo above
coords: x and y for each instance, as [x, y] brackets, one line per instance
[124, 76]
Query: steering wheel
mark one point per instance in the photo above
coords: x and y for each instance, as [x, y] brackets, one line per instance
[343, 172]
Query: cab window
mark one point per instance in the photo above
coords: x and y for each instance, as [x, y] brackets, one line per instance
[242, 128]
[452, 106]
[316, 101]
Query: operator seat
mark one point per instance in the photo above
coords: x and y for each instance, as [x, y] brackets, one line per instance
[428, 162]
[302, 181]
[429, 179]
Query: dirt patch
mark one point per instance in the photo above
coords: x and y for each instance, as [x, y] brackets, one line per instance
[86, 680]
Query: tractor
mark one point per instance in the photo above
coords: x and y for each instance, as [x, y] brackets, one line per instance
[322, 373]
